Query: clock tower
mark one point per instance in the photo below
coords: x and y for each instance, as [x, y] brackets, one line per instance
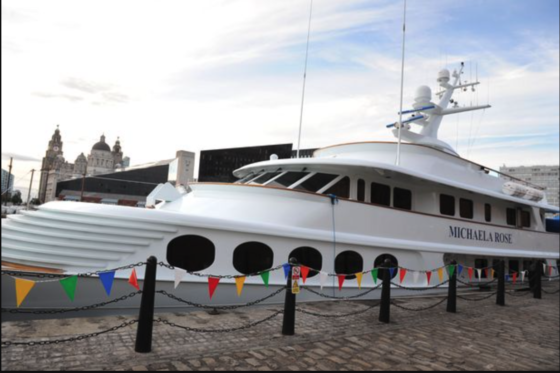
[52, 158]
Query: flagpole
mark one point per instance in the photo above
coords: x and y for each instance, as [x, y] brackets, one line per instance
[402, 89]
[304, 79]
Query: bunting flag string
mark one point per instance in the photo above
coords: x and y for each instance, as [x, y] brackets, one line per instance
[375, 275]
[304, 273]
[133, 279]
[107, 279]
[479, 273]
[515, 277]
[212, 285]
[402, 273]
[415, 277]
[523, 276]
[240, 282]
[287, 268]
[451, 270]
[323, 277]
[487, 273]
[429, 277]
[341, 279]
[23, 287]
[265, 277]
[69, 285]
[359, 277]
[440, 274]
[179, 276]
[471, 272]
[459, 270]
[392, 271]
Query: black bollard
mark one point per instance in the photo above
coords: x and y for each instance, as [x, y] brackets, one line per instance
[452, 294]
[146, 317]
[289, 324]
[537, 294]
[385, 308]
[501, 298]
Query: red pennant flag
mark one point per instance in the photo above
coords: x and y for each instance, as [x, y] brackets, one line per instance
[486, 271]
[403, 274]
[514, 277]
[550, 270]
[471, 272]
[304, 273]
[429, 275]
[341, 279]
[212, 285]
[133, 280]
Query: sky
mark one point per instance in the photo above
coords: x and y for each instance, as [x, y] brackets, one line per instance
[194, 75]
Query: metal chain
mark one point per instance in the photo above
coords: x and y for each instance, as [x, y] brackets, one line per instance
[231, 277]
[477, 299]
[63, 276]
[222, 308]
[550, 292]
[342, 298]
[418, 309]
[79, 309]
[219, 331]
[305, 312]
[477, 285]
[512, 293]
[68, 340]
[420, 289]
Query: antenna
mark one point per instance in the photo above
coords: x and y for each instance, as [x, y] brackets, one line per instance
[304, 79]
[400, 124]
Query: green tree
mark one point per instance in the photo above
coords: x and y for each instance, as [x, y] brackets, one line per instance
[16, 198]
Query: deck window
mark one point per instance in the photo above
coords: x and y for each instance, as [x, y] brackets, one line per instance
[340, 189]
[246, 178]
[288, 179]
[266, 177]
[191, 253]
[511, 215]
[380, 194]
[361, 196]
[308, 257]
[488, 212]
[349, 262]
[402, 199]
[316, 182]
[525, 219]
[447, 205]
[380, 262]
[252, 257]
[466, 208]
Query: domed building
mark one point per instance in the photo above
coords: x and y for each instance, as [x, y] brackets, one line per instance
[102, 160]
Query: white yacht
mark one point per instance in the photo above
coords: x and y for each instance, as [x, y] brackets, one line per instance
[344, 211]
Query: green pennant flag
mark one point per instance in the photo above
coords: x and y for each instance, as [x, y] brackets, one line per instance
[69, 285]
[265, 276]
[451, 269]
[374, 274]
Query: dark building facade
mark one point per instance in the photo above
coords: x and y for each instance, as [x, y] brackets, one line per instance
[218, 165]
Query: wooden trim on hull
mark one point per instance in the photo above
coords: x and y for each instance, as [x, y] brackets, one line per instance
[21, 267]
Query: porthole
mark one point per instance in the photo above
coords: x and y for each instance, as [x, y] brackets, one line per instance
[191, 253]
[308, 257]
[349, 262]
[380, 262]
[252, 257]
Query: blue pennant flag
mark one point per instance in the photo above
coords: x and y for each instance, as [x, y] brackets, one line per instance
[392, 271]
[287, 269]
[107, 278]
[459, 269]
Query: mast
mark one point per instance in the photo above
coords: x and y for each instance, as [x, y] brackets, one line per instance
[304, 79]
[398, 162]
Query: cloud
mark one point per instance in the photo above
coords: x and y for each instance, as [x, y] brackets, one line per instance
[85, 86]
[72, 98]
[19, 157]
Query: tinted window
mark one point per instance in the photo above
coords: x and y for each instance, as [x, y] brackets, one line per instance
[191, 253]
[380, 194]
[511, 217]
[266, 177]
[488, 212]
[380, 262]
[316, 182]
[288, 179]
[308, 257]
[447, 205]
[402, 199]
[466, 208]
[349, 262]
[252, 257]
[245, 179]
[361, 190]
[526, 219]
[340, 189]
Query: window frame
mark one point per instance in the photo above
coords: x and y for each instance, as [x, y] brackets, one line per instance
[469, 213]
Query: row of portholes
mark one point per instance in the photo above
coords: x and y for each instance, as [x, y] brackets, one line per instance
[195, 253]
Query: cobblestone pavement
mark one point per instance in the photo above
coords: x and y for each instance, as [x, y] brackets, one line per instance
[524, 335]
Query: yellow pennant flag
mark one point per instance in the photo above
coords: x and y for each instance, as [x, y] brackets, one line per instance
[23, 287]
[359, 277]
[440, 274]
[492, 273]
[240, 281]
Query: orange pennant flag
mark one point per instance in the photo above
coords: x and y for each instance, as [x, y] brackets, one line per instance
[403, 274]
[440, 274]
[23, 287]
[359, 277]
[240, 282]
[492, 273]
[133, 280]
[304, 273]
[341, 279]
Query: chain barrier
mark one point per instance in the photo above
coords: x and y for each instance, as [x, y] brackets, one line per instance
[551, 292]
[341, 298]
[519, 295]
[420, 289]
[418, 309]
[222, 277]
[219, 331]
[69, 340]
[477, 299]
[221, 308]
[310, 313]
[476, 285]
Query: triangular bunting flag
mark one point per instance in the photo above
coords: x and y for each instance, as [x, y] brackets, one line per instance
[392, 272]
[133, 280]
[23, 287]
[287, 269]
[415, 276]
[265, 277]
[212, 285]
[451, 270]
[341, 279]
[487, 272]
[479, 273]
[550, 270]
[459, 270]
[69, 285]
[402, 272]
[107, 279]
[515, 277]
[240, 282]
[544, 267]
[179, 275]
[492, 274]
[440, 274]
[429, 276]
[523, 276]
[324, 277]
[359, 277]
[375, 275]
[304, 273]
[471, 272]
